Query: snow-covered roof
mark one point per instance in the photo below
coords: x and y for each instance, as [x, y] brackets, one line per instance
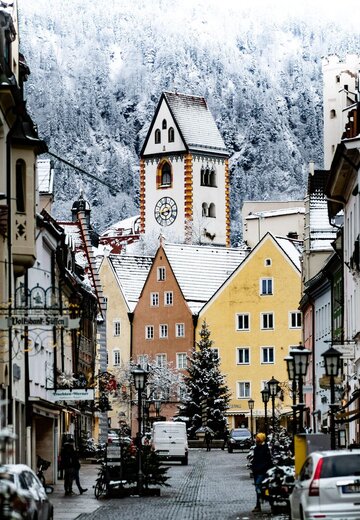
[45, 176]
[196, 123]
[124, 227]
[131, 273]
[275, 213]
[201, 270]
[293, 250]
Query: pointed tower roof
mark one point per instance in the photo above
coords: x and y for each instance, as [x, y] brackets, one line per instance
[194, 121]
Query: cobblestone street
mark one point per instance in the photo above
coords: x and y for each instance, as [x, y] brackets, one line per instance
[214, 486]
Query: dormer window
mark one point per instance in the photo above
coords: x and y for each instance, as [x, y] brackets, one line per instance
[171, 135]
[164, 124]
[157, 136]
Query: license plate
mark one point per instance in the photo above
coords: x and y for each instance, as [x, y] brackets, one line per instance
[163, 452]
[351, 488]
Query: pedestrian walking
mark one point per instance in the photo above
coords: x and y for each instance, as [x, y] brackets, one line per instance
[260, 464]
[208, 438]
[225, 438]
[67, 464]
[77, 466]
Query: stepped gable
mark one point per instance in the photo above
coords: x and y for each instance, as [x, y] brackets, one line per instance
[201, 270]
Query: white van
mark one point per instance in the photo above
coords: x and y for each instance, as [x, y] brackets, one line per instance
[170, 440]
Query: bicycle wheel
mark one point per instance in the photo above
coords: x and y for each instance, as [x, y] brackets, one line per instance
[100, 488]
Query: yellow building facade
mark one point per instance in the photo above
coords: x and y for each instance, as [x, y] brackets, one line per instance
[254, 320]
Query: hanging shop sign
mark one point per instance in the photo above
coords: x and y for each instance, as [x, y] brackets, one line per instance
[347, 350]
[73, 394]
[37, 320]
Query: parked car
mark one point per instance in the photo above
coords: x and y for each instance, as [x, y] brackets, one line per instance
[328, 486]
[29, 489]
[239, 439]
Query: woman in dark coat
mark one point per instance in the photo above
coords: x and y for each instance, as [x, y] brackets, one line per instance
[260, 464]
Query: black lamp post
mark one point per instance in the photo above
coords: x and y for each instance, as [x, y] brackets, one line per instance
[265, 395]
[273, 385]
[300, 356]
[146, 408]
[157, 404]
[332, 362]
[139, 379]
[291, 375]
[251, 403]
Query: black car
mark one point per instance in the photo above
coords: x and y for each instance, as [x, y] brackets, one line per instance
[239, 439]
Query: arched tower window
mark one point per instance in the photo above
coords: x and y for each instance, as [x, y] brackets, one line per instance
[164, 175]
[332, 113]
[164, 124]
[20, 185]
[212, 212]
[212, 178]
[171, 135]
[204, 209]
[207, 177]
[157, 136]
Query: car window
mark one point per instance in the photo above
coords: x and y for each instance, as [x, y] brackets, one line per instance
[306, 470]
[241, 433]
[341, 466]
[24, 484]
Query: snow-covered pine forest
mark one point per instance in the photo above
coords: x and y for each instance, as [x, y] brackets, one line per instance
[98, 69]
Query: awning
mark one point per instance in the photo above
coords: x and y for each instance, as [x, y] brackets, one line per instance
[44, 408]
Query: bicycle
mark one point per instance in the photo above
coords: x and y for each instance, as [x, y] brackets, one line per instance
[42, 465]
[101, 484]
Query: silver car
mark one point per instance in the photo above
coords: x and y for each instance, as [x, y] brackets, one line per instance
[30, 491]
[328, 487]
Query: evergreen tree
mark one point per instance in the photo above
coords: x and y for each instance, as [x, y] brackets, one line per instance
[206, 388]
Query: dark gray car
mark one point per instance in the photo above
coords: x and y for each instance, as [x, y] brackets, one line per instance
[239, 439]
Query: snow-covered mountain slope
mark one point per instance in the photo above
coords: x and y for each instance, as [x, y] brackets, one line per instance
[98, 69]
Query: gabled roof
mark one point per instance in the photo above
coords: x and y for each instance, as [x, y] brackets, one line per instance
[201, 270]
[131, 273]
[291, 249]
[194, 122]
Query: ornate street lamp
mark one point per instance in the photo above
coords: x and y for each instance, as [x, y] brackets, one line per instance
[291, 375]
[273, 386]
[301, 363]
[332, 362]
[265, 395]
[139, 379]
[251, 403]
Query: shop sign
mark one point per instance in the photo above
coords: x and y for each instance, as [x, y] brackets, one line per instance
[36, 320]
[73, 394]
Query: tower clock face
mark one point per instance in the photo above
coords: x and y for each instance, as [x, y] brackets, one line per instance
[165, 211]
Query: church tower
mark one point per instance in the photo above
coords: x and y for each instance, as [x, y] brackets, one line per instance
[184, 174]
